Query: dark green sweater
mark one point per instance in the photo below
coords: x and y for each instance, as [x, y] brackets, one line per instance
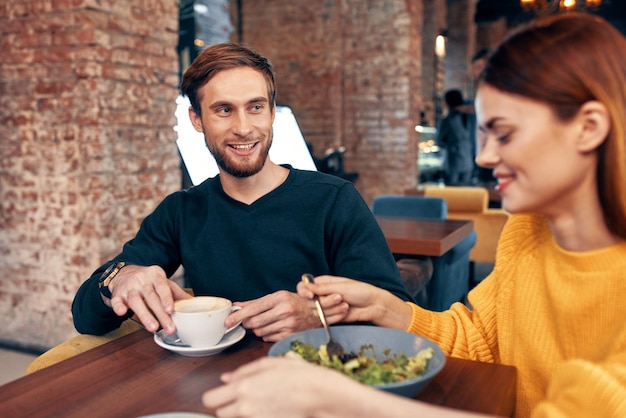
[313, 223]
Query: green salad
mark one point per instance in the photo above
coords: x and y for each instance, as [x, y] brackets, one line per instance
[363, 365]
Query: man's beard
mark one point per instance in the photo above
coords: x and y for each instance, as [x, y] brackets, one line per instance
[239, 169]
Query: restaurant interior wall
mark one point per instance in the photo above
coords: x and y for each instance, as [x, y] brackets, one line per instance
[351, 72]
[359, 74]
[435, 13]
[87, 143]
[87, 94]
[87, 148]
[461, 40]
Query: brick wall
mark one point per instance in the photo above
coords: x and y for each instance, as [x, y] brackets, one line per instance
[434, 23]
[87, 149]
[87, 91]
[461, 45]
[351, 71]
[490, 34]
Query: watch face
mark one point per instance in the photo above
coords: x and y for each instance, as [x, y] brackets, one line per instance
[110, 273]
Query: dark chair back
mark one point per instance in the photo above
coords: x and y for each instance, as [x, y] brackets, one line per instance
[451, 271]
[401, 206]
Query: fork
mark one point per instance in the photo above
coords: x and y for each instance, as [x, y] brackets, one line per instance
[333, 348]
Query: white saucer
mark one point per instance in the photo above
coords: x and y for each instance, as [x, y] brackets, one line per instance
[229, 339]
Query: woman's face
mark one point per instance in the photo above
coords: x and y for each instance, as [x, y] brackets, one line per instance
[533, 155]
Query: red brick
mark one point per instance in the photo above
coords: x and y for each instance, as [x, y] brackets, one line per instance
[354, 84]
[74, 73]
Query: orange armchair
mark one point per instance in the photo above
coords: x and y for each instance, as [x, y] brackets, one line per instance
[473, 203]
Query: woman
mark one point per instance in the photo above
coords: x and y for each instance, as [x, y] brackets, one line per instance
[551, 105]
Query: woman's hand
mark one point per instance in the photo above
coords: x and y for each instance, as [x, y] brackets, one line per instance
[276, 387]
[350, 300]
[273, 387]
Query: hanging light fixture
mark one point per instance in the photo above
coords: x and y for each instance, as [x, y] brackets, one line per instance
[554, 6]
[439, 73]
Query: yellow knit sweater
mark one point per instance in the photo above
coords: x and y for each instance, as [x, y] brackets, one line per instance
[558, 316]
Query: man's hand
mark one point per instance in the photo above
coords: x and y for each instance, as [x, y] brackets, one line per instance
[148, 293]
[275, 316]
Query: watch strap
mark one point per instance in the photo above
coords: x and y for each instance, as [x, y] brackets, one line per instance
[107, 276]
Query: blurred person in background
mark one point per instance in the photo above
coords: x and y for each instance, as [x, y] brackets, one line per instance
[455, 136]
[479, 61]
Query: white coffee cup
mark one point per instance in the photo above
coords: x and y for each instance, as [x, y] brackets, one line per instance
[200, 320]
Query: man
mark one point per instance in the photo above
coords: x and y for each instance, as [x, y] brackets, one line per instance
[479, 61]
[249, 233]
[454, 135]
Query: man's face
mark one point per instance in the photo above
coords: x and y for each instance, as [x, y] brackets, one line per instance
[478, 66]
[236, 120]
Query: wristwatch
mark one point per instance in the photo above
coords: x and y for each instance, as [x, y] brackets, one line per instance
[107, 276]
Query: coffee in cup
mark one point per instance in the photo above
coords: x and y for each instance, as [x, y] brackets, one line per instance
[200, 320]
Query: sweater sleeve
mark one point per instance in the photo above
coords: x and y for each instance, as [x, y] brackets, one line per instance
[356, 246]
[470, 332]
[581, 388]
[457, 331]
[154, 244]
[548, 312]
[90, 314]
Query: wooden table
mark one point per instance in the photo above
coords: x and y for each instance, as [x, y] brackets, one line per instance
[132, 376]
[423, 236]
